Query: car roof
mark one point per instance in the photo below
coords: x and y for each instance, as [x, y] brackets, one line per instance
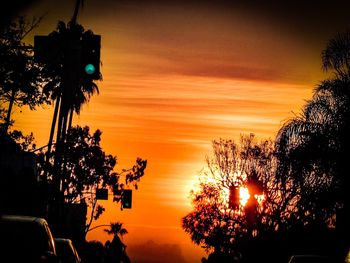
[63, 240]
[309, 258]
[21, 218]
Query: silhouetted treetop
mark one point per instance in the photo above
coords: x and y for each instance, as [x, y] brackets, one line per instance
[336, 56]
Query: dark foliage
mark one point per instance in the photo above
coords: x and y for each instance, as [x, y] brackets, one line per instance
[21, 79]
[86, 167]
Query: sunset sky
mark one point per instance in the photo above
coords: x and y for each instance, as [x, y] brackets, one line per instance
[177, 75]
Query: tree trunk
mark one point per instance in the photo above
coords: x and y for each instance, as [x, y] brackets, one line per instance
[53, 126]
[71, 113]
[9, 110]
[88, 225]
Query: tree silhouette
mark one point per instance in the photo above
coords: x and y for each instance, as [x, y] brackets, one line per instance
[313, 148]
[93, 252]
[69, 90]
[68, 97]
[116, 250]
[55, 68]
[336, 56]
[289, 209]
[116, 229]
[224, 230]
[86, 167]
[338, 60]
[21, 81]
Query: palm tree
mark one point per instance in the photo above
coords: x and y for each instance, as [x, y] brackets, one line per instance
[68, 97]
[116, 250]
[116, 229]
[336, 56]
[85, 90]
[313, 148]
[69, 91]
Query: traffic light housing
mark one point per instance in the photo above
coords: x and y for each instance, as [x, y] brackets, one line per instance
[127, 198]
[102, 194]
[90, 56]
[48, 50]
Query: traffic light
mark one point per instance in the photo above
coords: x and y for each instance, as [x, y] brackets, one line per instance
[127, 198]
[234, 197]
[90, 56]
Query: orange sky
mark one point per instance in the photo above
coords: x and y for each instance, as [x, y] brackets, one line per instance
[177, 75]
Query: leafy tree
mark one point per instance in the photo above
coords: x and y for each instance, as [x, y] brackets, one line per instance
[20, 80]
[221, 228]
[25, 142]
[86, 167]
[280, 211]
[2, 120]
[17, 166]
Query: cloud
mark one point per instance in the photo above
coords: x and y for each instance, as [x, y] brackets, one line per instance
[152, 252]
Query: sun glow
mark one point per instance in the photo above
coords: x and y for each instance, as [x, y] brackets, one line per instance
[243, 195]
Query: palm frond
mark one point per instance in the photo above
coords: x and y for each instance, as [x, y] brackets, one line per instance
[336, 56]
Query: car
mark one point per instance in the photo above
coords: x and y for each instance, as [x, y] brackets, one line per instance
[66, 251]
[26, 239]
[310, 259]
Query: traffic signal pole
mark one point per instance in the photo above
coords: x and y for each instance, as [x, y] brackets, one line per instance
[70, 83]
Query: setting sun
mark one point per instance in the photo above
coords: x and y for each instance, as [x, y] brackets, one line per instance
[243, 195]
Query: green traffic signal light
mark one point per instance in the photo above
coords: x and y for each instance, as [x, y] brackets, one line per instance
[90, 69]
[127, 198]
[90, 56]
